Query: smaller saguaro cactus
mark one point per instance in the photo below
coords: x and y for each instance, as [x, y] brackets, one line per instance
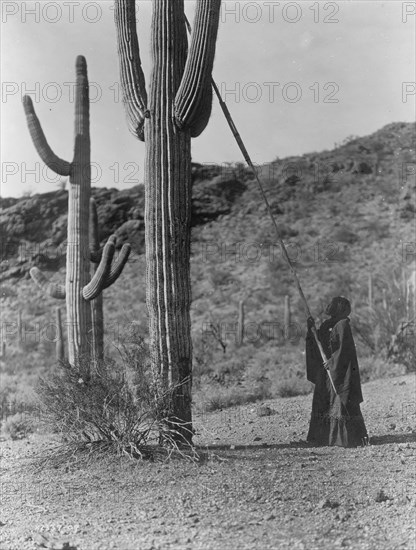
[79, 288]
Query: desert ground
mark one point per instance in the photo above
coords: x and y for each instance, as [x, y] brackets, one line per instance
[257, 486]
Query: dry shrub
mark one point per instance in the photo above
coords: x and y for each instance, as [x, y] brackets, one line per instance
[293, 386]
[17, 426]
[116, 407]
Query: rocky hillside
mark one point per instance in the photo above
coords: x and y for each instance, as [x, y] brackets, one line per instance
[344, 214]
[377, 167]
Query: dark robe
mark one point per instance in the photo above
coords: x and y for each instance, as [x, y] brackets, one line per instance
[336, 419]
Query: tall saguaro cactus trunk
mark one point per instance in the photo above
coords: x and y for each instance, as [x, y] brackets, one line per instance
[179, 108]
[168, 210]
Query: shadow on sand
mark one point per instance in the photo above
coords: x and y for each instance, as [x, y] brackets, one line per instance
[234, 450]
[392, 438]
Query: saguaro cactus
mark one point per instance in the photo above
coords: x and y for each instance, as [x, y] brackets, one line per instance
[179, 108]
[79, 288]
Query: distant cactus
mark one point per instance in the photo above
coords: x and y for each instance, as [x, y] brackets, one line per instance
[3, 350]
[59, 344]
[19, 328]
[288, 317]
[240, 324]
[179, 108]
[370, 290]
[79, 288]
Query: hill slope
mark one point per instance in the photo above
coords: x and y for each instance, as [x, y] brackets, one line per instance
[344, 214]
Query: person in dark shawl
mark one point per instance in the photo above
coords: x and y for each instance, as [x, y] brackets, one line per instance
[336, 418]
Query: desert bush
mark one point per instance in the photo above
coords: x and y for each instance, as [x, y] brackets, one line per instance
[345, 235]
[17, 426]
[116, 407]
[17, 394]
[293, 386]
[220, 277]
[216, 397]
[378, 229]
[383, 328]
[372, 367]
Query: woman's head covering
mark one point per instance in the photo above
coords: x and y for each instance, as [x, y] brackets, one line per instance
[339, 307]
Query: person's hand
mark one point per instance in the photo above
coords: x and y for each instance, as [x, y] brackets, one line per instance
[326, 365]
[310, 321]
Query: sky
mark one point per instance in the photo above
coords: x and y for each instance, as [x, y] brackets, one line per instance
[297, 77]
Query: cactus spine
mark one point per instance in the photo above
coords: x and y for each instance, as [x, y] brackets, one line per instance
[179, 108]
[79, 287]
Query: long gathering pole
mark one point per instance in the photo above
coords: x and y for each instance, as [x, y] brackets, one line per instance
[247, 158]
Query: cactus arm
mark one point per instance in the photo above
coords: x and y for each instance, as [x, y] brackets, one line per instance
[61, 167]
[118, 266]
[51, 289]
[133, 84]
[96, 285]
[193, 99]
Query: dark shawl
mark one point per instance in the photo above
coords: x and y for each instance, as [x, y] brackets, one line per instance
[338, 344]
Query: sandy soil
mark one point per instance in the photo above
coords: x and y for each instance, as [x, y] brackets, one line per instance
[259, 489]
